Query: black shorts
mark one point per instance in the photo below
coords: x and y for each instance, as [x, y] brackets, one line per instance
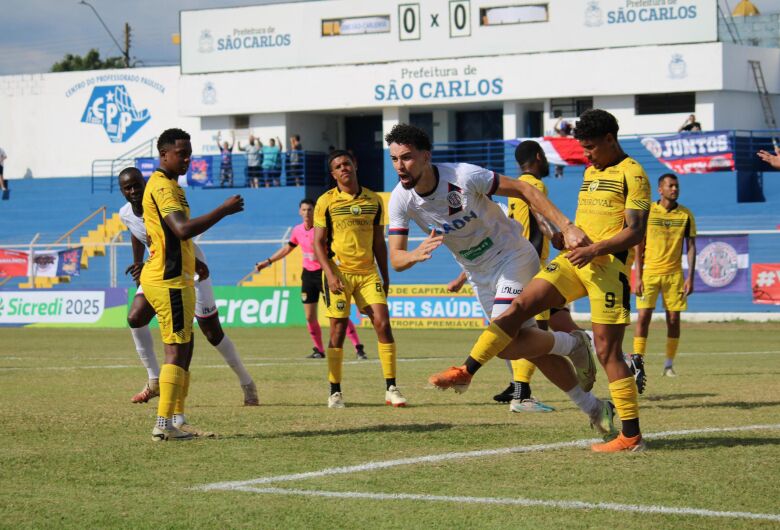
[311, 286]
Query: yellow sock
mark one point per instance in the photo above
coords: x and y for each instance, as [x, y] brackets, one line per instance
[335, 358]
[171, 379]
[387, 358]
[492, 341]
[640, 345]
[671, 347]
[178, 407]
[523, 370]
[625, 397]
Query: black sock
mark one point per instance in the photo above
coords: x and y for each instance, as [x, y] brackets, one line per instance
[335, 387]
[522, 390]
[390, 382]
[472, 365]
[631, 427]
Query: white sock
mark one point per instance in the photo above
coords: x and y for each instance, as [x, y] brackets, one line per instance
[144, 345]
[179, 420]
[564, 343]
[229, 353]
[586, 401]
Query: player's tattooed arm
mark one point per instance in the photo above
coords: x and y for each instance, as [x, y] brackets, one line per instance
[401, 259]
[631, 235]
[573, 235]
[640, 266]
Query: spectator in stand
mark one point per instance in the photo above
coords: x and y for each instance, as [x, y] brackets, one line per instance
[272, 154]
[295, 170]
[690, 125]
[226, 159]
[563, 129]
[771, 159]
[254, 157]
[3, 156]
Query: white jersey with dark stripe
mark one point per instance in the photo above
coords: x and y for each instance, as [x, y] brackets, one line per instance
[460, 207]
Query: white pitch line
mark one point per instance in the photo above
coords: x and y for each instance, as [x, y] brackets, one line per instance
[298, 362]
[293, 362]
[371, 466]
[566, 505]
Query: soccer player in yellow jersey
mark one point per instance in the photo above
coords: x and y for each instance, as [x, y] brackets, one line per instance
[612, 209]
[349, 243]
[168, 277]
[659, 270]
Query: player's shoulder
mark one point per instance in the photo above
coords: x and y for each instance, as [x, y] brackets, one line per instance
[326, 198]
[126, 212]
[632, 167]
[369, 194]
[533, 181]
[687, 211]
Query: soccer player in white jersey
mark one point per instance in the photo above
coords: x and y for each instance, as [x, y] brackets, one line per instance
[131, 183]
[452, 202]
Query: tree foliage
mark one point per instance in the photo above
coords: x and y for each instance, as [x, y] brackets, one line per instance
[90, 61]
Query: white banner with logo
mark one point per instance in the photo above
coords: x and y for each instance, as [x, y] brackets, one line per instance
[51, 307]
[356, 32]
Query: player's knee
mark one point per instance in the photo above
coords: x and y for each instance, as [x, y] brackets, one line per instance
[214, 336]
[134, 320]
[673, 318]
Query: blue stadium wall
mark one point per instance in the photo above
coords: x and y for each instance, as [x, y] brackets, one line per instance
[52, 206]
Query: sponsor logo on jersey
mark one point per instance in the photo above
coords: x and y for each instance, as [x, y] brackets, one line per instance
[454, 198]
[477, 250]
[456, 224]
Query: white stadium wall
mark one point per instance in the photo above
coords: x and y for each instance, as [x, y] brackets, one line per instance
[55, 125]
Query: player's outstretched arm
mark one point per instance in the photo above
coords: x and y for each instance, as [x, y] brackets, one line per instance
[186, 229]
[402, 259]
[573, 235]
[276, 256]
[457, 284]
[631, 235]
[771, 159]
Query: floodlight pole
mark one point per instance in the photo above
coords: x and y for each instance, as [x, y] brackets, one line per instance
[126, 51]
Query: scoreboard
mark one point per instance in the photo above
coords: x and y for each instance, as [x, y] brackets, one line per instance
[344, 32]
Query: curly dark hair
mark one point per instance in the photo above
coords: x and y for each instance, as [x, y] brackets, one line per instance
[595, 123]
[169, 137]
[405, 134]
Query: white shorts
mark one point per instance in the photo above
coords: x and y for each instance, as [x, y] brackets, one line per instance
[499, 283]
[205, 304]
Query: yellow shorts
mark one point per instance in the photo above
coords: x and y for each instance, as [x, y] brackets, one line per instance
[672, 288]
[366, 289]
[603, 280]
[544, 315]
[175, 310]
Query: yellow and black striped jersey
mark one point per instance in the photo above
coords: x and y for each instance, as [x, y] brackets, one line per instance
[606, 194]
[520, 212]
[350, 221]
[666, 232]
[171, 261]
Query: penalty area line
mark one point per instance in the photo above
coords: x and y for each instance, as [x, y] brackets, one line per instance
[384, 464]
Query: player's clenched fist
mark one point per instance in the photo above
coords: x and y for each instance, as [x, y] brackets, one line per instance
[233, 204]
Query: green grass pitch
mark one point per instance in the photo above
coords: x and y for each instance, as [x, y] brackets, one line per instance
[74, 452]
